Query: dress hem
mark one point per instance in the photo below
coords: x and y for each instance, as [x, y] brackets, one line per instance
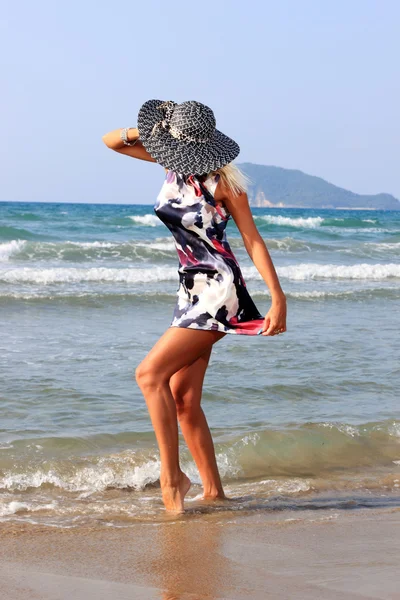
[223, 329]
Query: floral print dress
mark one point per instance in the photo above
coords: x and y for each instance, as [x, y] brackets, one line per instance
[212, 293]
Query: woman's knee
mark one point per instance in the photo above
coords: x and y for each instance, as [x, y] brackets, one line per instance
[147, 376]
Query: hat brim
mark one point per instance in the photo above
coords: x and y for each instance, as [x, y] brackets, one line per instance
[187, 158]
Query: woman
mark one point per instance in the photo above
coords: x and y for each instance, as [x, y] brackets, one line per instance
[202, 190]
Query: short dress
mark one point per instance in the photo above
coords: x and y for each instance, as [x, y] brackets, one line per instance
[212, 293]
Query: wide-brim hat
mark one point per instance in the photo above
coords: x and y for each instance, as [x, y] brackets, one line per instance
[183, 137]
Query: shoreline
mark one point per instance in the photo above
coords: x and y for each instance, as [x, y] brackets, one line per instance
[150, 205]
[329, 554]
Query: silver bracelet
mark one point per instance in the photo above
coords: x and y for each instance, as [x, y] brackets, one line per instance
[124, 137]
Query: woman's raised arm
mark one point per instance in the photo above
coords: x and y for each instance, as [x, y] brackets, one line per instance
[113, 141]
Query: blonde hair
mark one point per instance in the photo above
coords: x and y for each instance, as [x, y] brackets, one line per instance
[233, 178]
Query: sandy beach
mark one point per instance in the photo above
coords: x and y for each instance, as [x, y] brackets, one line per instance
[322, 554]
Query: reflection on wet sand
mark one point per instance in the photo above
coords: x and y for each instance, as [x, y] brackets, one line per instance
[188, 559]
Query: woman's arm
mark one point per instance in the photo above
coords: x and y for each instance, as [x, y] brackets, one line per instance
[113, 140]
[239, 208]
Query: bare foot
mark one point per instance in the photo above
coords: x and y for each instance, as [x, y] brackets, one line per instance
[173, 496]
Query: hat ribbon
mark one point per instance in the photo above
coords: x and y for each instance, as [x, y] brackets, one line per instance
[165, 123]
[168, 106]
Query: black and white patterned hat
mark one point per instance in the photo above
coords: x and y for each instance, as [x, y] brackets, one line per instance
[183, 137]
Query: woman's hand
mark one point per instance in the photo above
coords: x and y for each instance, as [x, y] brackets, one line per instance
[275, 319]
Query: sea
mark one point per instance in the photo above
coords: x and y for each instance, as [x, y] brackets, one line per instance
[305, 420]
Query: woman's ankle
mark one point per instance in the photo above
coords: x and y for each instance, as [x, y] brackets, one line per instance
[171, 480]
[212, 492]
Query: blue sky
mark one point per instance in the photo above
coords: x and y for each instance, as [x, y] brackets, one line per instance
[307, 84]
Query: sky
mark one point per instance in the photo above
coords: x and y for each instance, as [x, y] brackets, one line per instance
[302, 84]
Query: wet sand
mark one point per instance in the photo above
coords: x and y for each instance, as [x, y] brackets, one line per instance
[299, 555]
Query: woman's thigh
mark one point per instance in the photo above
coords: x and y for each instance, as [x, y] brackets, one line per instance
[178, 348]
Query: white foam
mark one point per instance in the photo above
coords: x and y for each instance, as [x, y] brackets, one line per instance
[300, 272]
[95, 244]
[11, 508]
[320, 294]
[288, 244]
[94, 274]
[343, 428]
[57, 250]
[116, 471]
[315, 222]
[52, 294]
[163, 246]
[367, 230]
[291, 486]
[7, 249]
[394, 429]
[111, 471]
[6, 446]
[383, 245]
[308, 222]
[306, 271]
[14, 507]
[158, 244]
[147, 220]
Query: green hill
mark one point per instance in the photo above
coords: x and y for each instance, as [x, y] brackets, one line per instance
[275, 186]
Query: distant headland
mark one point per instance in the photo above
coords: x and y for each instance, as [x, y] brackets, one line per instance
[281, 188]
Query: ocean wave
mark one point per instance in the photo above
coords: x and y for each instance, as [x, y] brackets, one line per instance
[93, 274]
[72, 251]
[352, 223]
[352, 294]
[383, 245]
[312, 451]
[349, 222]
[147, 220]
[7, 233]
[165, 246]
[299, 272]
[318, 465]
[155, 250]
[27, 216]
[86, 251]
[89, 298]
[372, 249]
[160, 247]
[7, 249]
[303, 222]
[14, 507]
[365, 271]
[121, 472]
[287, 245]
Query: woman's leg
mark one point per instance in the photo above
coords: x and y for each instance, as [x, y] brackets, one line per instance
[186, 387]
[177, 348]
